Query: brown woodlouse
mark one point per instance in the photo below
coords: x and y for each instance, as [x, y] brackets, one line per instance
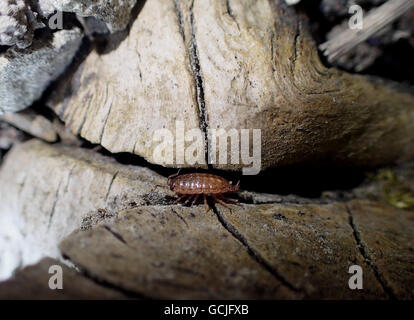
[192, 186]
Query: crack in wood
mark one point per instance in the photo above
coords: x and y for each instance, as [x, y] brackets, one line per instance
[180, 217]
[116, 235]
[199, 84]
[252, 252]
[231, 13]
[69, 177]
[363, 249]
[272, 49]
[110, 186]
[21, 185]
[180, 19]
[295, 57]
[52, 212]
[195, 69]
[106, 120]
[84, 117]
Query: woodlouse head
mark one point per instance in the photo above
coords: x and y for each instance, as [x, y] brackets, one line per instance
[236, 188]
[171, 183]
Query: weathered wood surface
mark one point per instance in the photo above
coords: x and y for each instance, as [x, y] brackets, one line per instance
[255, 252]
[233, 64]
[46, 191]
[141, 243]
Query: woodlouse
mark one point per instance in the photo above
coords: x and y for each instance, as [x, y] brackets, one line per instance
[192, 186]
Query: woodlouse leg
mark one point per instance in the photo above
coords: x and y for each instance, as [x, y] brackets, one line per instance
[221, 202]
[188, 199]
[206, 204]
[175, 174]
[195, 199]
[180, 198]
[228, 199]
[161, 186]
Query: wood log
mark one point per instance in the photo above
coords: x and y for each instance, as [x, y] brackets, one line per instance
[234, 65]
[113, 223]
[251, 252]
[46, 191]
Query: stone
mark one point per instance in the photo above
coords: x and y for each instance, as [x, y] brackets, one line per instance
[17, 23]
[25, 74]
[115, 13]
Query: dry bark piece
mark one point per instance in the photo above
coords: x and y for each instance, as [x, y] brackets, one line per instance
[46, 191]
[32, 283]
[32, 123]
[9, 136]
[242, 65]
[172, 252]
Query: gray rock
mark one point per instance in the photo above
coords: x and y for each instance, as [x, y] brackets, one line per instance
[115, 13]
[17, 23]
[25, 74]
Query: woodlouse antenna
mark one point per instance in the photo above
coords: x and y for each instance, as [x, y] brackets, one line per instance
[170, 179]
[161, 186]
[237, 186]
[174, 175]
